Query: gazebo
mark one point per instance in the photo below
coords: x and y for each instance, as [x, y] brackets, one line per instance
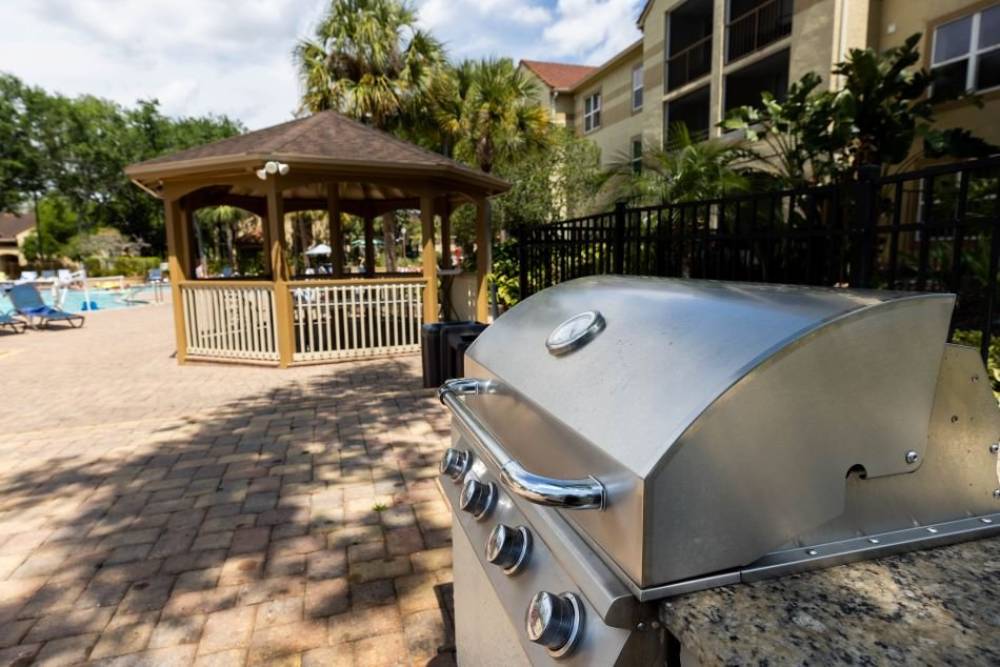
[323, 162]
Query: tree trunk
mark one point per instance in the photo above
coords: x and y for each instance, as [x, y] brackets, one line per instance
[299, 241]
[389, 240]
[231, 243]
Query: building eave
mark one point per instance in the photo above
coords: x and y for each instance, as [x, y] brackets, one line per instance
[615, 60]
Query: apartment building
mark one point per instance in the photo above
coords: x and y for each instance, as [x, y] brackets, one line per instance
[697, 59]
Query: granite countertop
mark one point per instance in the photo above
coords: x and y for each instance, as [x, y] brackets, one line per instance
[939, 606]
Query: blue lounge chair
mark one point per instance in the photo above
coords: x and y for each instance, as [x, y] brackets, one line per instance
[28, 302]
[15, 324]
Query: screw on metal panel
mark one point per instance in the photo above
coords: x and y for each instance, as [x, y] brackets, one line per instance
[932, 530]
[811, 552]
[996, 493]
[995, 447]
[912, 457]
[873, 540]
[954, 419]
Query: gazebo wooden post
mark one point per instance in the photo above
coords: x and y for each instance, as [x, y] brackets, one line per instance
[336, 228]
[484, 260]
[428, 257]
[177, 260]
[275, 246]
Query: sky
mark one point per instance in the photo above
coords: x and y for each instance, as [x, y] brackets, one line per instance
[233, 57]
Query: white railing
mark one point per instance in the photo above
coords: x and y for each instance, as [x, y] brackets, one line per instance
[356, 319]
[230, 321]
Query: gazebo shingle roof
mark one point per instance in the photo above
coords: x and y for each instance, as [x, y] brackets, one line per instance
[324, 135]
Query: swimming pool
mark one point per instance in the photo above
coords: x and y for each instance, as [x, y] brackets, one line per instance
[97, 299]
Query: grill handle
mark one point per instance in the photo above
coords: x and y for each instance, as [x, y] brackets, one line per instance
[577, 494]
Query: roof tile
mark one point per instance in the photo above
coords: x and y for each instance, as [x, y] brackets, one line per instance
[561, 76]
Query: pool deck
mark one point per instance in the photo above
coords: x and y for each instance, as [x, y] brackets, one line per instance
[152, 514]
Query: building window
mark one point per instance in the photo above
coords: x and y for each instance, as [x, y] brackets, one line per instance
[592, 113]
[637, 88]
[966, 54]
[636, 155]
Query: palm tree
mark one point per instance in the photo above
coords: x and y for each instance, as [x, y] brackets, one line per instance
[686, 170]
[368, 60]
[489, 112]
[224, 220]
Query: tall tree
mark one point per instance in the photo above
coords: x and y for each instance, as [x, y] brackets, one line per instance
[687, 170]
[75, 149]
[817, 135]
[487, 111]
[368, 60]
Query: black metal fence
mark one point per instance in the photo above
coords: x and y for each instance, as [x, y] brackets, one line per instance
[928, 230]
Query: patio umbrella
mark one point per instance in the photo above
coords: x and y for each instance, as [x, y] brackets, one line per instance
[318, 250]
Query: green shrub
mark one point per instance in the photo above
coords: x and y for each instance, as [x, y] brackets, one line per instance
[506, 275]
[94, 267]
[133, 266]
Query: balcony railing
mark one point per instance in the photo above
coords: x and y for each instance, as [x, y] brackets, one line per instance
[690, 63]
[762, 25]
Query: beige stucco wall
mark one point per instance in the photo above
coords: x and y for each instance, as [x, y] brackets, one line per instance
[822, 33]
[560, 105]
[543, 93]
[898, 19]
[619, 124]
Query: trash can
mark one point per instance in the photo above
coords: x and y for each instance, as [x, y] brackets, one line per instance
[457, 340]
[430, 352]
[438, 346]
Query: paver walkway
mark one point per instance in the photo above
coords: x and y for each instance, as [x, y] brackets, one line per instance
[152, 514]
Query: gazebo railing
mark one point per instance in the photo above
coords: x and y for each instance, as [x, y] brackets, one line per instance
[226, 320]
[356, 319]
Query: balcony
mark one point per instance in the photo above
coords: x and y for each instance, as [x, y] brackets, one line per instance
[690, 64]
[754, 28]
[692, 111]
[689, 35]
[744, 86]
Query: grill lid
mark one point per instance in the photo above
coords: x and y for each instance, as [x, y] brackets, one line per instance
[721, 418]
[670, 349]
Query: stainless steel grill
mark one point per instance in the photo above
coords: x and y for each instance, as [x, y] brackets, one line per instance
[621, 440]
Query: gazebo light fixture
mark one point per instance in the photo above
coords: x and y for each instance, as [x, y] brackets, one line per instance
[272, 167]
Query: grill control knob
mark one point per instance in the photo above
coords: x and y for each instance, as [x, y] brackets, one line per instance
[555, 621]
[454, 463]
[478, 497]
[508, 547]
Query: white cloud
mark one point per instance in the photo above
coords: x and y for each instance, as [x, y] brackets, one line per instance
[224, 56]
[234, 56]
[597, 29]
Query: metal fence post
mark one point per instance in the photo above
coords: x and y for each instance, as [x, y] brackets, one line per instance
[867, 214]
[619, 239]
[520, 234]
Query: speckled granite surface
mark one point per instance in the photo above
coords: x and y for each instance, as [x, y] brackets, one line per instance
[935, 607]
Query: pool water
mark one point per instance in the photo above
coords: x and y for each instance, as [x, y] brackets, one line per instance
[103, 299]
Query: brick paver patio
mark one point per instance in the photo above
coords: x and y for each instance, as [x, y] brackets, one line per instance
[215, 515]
